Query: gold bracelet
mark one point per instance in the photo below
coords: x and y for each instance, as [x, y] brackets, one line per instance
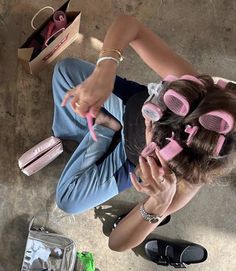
[108, 58]
[117, 51]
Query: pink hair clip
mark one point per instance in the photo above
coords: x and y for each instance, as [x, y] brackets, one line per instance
[171, 150]
[218, 121]
[90, 126]
[219, 145]
[191, 130]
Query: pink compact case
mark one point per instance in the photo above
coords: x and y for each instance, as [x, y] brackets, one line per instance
[40, 155]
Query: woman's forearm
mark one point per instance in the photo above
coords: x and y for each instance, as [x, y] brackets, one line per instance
[122, 31]
[133, 229]
[126, 30]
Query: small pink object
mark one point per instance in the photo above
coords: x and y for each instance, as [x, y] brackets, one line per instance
[170, 78]
[90, 126]
[59, 18]
[176, 102]
[219, 145]
[218, 121]
[40, 155]
[222, 83]
[151, 111]
[192, 78]
[150, 148]
[191, 130]
[171, 150]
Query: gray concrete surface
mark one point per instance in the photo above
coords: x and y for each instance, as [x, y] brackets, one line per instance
[202, 31]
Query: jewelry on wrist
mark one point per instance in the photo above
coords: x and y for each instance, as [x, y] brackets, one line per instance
[116, 51]
[151, 218]
[108, 58]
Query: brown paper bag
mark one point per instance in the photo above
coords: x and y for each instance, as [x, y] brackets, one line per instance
[38, 51]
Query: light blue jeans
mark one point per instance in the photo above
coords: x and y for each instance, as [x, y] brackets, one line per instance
[86, 181]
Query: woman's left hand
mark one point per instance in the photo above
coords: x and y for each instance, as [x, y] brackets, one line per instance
[158, 182]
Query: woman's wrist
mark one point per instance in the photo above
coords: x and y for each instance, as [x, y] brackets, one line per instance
[106, 67]
[153, 206]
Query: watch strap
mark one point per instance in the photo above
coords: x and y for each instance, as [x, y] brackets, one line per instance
[151, 218]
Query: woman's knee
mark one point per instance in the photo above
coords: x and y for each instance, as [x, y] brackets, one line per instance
[63, 66]
[67, 205]
[70, 66]
[68, 198]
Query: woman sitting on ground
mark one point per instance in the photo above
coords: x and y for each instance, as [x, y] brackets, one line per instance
[172, 143]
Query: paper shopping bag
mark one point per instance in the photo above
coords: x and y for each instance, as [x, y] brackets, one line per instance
[50, 39]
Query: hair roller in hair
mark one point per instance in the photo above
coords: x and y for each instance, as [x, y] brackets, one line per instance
[218, 121]
[151, 109]
[176, 102]
[192, 78]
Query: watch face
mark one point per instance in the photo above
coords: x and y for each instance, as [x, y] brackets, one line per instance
[153, 220]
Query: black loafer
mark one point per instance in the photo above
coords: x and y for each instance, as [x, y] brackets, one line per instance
[178, 254]
[163, 222]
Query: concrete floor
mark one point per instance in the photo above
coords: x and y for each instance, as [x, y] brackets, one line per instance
[202, 31]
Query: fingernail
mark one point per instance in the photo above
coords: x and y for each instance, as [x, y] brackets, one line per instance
[141, 158]
[131, 174]
[149, 158]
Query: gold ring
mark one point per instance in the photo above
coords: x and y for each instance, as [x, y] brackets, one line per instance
[77, 104]
[162, 179]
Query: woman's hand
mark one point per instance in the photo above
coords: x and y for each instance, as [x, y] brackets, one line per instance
[91, 94]
[158, 182]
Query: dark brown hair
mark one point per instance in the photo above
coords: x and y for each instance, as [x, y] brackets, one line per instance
[196, 163]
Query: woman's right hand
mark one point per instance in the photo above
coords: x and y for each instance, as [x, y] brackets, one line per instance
[158, 182]
[90, 95]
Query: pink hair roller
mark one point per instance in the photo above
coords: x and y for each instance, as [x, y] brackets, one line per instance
[151, 111]
[176, 102]
[170, 78]
[192, 78]
[217, 121]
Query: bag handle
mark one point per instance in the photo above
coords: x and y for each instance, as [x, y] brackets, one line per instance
[58, 31]
[37, 13]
